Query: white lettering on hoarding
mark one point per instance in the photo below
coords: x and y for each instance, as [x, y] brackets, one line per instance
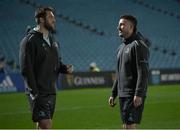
[170, 77]
[89, 81]
[7, 82]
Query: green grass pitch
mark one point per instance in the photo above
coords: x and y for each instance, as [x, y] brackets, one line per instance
[88, 108]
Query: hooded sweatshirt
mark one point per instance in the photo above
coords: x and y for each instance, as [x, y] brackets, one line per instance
[132, 68]
[40, 63]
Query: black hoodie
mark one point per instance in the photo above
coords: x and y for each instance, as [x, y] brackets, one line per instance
[132, 68]
[40, 63]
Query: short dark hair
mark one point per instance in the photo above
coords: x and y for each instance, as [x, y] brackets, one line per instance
[132, 19]
[41, 12]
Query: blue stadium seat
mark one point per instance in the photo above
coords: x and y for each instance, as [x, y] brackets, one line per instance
[81, 46]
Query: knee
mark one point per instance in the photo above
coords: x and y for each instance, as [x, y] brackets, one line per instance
[129, 126]
[47, 124]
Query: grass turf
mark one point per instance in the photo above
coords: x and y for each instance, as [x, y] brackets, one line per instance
[88, 108]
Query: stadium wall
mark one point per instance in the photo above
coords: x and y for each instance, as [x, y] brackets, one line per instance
[87, 79]
[13, 82]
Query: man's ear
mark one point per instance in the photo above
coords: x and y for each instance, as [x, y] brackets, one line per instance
[131, 26]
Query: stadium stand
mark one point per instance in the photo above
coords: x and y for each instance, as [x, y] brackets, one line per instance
[87, 29]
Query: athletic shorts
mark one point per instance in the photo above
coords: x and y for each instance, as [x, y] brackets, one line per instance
[129, 113]
[42, 107]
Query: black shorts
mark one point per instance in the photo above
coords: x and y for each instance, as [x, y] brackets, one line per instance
[129, 113]
[42, 107]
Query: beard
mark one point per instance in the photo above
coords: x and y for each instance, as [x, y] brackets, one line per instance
[123, 34]
[49, 27]
[120, 34]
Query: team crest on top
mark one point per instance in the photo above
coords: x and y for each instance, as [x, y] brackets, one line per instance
[55, 44]
[44, 46]
[127, 50]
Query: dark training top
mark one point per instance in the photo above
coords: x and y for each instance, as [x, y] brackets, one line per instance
[132, 68]
[40, 63]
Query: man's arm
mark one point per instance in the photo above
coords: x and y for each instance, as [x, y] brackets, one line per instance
[62, 67]
[27, 57]
[114, 88]
[65, 69]
[141, 56]
[114, 93]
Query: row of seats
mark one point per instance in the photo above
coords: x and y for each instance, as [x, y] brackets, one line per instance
[81, 46]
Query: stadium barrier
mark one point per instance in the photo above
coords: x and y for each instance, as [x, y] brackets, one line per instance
[13, 82]
[87, 79]
[102, 79]
[164, 76]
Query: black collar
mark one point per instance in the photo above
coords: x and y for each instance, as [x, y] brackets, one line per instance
[130, 39]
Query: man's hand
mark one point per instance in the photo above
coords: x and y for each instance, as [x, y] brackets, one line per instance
[70, 69]
[111, 102]
[137, 101]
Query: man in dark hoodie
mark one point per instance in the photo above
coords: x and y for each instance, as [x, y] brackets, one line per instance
[131, 73]
[40, 64]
